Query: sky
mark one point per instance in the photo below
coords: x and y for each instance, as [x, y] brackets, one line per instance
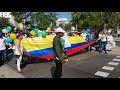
[65, 15]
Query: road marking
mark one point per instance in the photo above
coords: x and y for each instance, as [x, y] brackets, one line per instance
[113, 63]
[103, 74]
[116, 59]
[108, 68]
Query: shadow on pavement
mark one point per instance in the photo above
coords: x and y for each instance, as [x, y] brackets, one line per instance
[33, 61]
[23, 65]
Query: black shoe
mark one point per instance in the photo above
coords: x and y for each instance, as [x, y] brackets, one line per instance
[61, 74]
[106, 53]
[1, 64]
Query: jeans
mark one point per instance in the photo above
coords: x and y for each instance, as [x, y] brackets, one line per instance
[1, 61]
[91, 47]
[104, 46]
[3, 55]
[100, 45]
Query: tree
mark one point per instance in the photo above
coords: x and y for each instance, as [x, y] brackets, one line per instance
[43, 19]
[4, 22]
[21, 17]
[37, 19]
[100, 20]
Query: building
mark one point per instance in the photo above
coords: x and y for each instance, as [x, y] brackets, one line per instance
[5, 14]
[62, 21]
[8, 15]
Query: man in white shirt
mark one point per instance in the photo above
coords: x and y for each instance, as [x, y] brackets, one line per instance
[103, 42]
[98, 41]
[84, 35]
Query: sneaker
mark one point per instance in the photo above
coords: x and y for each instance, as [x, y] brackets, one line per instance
[19, 70]
[66, 60]
[1, 64]
[61, 74]
[106, 53]
[101, 53]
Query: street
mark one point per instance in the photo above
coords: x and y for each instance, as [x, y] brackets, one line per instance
[80, 65]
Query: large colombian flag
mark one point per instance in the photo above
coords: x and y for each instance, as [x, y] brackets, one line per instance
[40, 47]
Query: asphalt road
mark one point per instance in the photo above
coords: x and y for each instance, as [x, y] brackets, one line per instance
[81, 65]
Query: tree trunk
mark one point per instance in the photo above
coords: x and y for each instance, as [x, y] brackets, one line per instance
[105, 28]
[76, 26]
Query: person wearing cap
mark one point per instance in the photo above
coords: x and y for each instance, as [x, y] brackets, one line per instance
[49, 32]
[18, 52]
[57, 52]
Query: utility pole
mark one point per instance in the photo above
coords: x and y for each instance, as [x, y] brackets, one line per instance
[105, 28]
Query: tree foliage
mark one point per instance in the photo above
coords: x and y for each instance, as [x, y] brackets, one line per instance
[100, 20]
[37, 19]
[4, 22]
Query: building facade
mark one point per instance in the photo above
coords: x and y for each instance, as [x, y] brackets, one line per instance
[9, 16]
[5, 14]
[63, 21]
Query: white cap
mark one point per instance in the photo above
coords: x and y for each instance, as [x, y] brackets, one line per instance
[59, 30]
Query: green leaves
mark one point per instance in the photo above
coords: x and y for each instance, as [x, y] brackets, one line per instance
[4, 22]
[96, 19]
[39, 19]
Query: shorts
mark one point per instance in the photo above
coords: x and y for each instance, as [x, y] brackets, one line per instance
[17, 56]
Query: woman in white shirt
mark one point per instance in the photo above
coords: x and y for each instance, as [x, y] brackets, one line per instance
[18, 52]
[111, 42]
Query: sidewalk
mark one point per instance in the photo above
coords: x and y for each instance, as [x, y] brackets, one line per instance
[8, 72]
[116, 39]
